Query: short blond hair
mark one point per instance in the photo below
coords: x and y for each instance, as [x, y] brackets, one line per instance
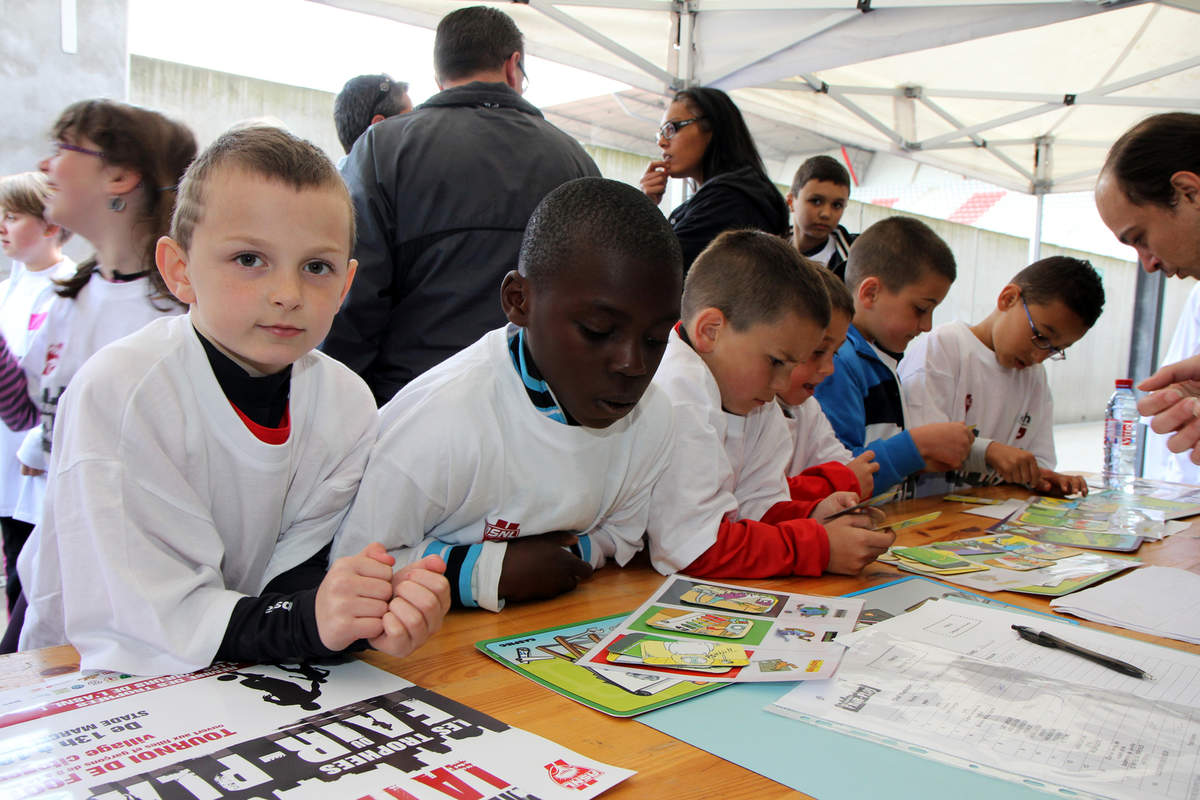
[27, 193]
[267, 151]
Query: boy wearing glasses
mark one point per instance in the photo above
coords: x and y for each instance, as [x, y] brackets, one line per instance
[898, 271]
[990, 376]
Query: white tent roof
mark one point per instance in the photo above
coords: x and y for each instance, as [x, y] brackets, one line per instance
[1026, 95]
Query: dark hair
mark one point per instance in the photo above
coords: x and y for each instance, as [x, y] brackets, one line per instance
[753, 277]
[597, 215]
[1072, 280]
[157, 148]
[472, 40]
[820, 168]
[26, 193]
[731, 146]
[898, 251]
[361, 99]
[1148, 154]
[272, 153]
[840, 298]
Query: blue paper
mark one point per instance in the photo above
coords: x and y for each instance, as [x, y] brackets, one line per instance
[731, 724]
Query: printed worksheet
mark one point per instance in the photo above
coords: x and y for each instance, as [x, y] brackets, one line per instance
[947, 680]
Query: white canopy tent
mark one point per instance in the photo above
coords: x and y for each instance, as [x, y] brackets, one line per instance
[1025, 95]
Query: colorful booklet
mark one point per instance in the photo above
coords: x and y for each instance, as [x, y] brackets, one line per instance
[1007, 562]
[707, 631]
[548, 657]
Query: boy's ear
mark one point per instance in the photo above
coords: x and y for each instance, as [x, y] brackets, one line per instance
[1187, 184]
[514, 298]
[1010, 295]
[867, 291]
[351, 271]
[512, 71]
[51, 230]
[171, 259]
[790, 198]
[705, 329]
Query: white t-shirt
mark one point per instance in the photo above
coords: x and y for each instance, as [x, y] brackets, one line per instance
[813, 438]
[74, 329]
[950, 376]
[164, 509]
[722, 466]
[1161, 463]
[24, 299]
[464, 457]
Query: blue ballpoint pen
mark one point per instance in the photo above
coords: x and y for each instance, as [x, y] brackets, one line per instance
[1050, 640]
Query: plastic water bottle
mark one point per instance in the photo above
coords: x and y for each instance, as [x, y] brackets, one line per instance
[1121, 420]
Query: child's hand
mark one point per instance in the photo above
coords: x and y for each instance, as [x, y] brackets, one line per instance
[1014, 465]
[853, 545]
[420, 600]
[654, 181]
[833, 504]
[1056, 483]
[864, 468]
[943, 445]
[537, 567]
[354, 596]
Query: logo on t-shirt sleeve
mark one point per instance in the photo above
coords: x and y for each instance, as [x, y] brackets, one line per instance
[500, 530]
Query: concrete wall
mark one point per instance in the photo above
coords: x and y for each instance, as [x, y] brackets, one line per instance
[211, 101]
[40, 79]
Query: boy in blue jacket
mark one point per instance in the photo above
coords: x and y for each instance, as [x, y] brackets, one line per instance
[899, 270]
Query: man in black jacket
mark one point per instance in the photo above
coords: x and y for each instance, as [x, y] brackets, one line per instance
[441, 198]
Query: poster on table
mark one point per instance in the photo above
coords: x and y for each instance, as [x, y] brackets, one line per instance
[291, 732]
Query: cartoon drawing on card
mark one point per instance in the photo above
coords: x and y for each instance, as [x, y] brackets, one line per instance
[729, 598]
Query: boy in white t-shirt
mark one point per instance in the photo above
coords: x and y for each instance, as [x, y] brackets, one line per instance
[753, 310]
[202, 464]
[35, 246]
[990, 376]
[820, 462]
[527, 459]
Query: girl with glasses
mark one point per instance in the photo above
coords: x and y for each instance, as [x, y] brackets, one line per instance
[705, 140]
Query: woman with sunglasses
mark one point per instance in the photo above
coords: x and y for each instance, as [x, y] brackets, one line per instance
[1149, 197]
[704, 138]
[112, 172]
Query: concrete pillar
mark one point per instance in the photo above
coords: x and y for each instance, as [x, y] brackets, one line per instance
[40, 79]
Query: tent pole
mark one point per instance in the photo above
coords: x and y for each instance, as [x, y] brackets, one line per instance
[1035, 241]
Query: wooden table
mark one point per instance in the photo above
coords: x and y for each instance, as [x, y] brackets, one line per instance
[666, 767]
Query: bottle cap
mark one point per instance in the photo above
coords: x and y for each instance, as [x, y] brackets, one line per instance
[1124, 383]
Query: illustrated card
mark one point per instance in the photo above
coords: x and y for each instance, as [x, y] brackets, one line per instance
[734, 599]
[967, 498]
[701, 623]
[931, 556]
[673, 633]
[1017, 561]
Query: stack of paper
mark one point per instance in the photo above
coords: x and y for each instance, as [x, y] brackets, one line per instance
[1164, 601]
[953, 682]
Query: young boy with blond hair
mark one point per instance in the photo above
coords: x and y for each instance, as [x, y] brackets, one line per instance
[821, 463]
[201, 465]
[899, 271]
[35, 246]
[990, 376]
[752, 311]
[527, 460]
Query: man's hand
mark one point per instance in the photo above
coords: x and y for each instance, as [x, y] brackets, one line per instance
[1175, 406]
[537, 567]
